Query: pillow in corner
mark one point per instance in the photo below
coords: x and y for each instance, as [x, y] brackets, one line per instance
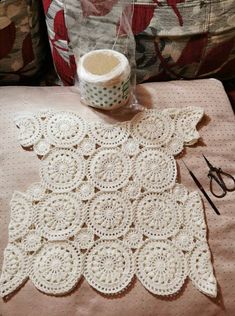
[23, 41]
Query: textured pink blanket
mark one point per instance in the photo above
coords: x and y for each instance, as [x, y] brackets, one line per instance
[18, 169]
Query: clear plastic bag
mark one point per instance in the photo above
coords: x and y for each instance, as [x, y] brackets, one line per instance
[105, 26]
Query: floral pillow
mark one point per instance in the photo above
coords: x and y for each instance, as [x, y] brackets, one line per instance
[175, 39]
[22, 49]
[62, 55]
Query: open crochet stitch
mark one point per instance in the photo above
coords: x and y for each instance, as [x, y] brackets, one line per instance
[108, 206]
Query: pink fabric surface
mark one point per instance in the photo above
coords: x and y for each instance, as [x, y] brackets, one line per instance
[19, 168]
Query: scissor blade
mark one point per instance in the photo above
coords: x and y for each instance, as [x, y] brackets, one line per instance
[207, 161]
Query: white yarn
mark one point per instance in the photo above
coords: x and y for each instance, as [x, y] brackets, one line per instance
[122, 69]
[108, 90]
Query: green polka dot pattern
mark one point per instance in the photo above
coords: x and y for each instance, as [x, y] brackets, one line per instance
[105, 97]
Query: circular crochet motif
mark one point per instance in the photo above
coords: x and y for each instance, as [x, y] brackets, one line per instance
[59, 216]
[87, 147]
[161, 267]
[85, 238]
[133, 238]
[64, 129]
[131, 147]
[110, 135]
[109, 214]
[201, 271]
[158, 215]
[155, 170]
[109, 266]
[32, 241]
[21, 216]
[86, 190]
[36, 191]
[132, 190]
[109, 169]
[152, 128]
[30, 130]
[62, 170]
[42, 147]
[184, 240]
[56, 268]
[14, 269]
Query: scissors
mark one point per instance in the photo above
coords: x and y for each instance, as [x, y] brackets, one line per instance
[218, 175]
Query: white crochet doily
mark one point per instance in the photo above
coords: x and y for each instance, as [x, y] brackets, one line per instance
[108, 207]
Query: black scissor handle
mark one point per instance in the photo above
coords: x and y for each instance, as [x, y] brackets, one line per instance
[219, 182]
[223, 174]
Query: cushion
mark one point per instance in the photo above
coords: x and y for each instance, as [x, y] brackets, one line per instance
[174, 39]
[64, 61]
[20, 168]
[186, 40]
[22, 48]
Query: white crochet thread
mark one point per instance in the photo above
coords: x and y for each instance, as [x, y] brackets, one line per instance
[30, 129]
[86, 190]
[56, 268]
[109, 169]
[155, 169]
[22, 212]
[87, 146]
[133, 238]
[32, 241]
[158, 215]
[175, 145]
[101, 87]
[64, 129]
[109, 214]
[152, 130]
[180, 192]
[42, 147]
[194, 216]
[109, 266]
[186, 122]
[107, 207]
[44, 113]
[130, 147]
[36, 191]
[132, 190]
[14, 269]
[59, 216]
[201, 270]
[85, 238]
[62, 170]
[184, 240]
[172, 112]
[110, 135]
[161, 267]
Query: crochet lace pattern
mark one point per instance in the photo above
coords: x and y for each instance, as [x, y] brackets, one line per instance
[108, 206]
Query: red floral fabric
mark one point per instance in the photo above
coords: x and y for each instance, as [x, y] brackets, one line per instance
[22, 50]
[63, 58]
[175, 39]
